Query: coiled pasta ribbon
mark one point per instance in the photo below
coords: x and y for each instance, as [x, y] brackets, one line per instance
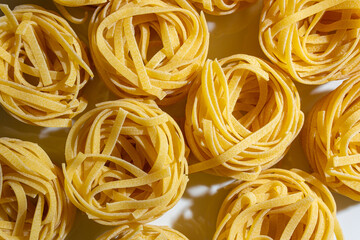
[221, 7]
[148, 232]
[43, 66]
[331, 138]
[315, 41]
[241, 117]
[279, 204]
[148, 48]
[125, 162]
[83, 5]
[33, 204]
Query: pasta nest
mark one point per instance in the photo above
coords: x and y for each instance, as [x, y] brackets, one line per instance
[221, 7]
[331, 138]
[315, 41]
[148, 48]
[279, 204]
[125, 162]
[241, 117]
[32, 201]
[148, 232]
[43, 66]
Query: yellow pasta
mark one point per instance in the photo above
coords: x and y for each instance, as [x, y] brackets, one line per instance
[33, 204]
[315, 41]
[241, 117]
[125, 162]
[221, 7]
[148, 232]
[279, 204]
[148, 48]
[43, 66]
[331, 138]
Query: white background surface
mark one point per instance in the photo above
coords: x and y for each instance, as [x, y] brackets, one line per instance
[195, 214]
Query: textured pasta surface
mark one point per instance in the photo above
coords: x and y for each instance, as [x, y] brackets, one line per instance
[315, 41]
[241, 117]
[142, 232]
[331, 138]
[221, 7]
[279, 204]
[148, 48]
[33, 204]
[43, 66]
[125, 162]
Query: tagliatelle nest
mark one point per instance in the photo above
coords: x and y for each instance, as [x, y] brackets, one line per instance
[43, 66]
[32, 201]
[148, 48]
[331, 138]
[315, 41]
[125, 162]
[148, 232]
[221, 7]
[279, 204]
[241, 117]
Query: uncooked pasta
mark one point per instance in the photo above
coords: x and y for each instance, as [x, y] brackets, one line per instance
[315, 41]
[279, 204]
[331, 138]
[125, 162]
[33, 204]
[43, 66]
[150, 48]
[148, 232]
[221, 7]
[241, 117]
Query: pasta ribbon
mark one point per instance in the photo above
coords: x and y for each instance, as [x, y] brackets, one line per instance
[148, 48]
[241, 117]
[43, 66]
[331, 138]
[148, 232]
[125, 162]
[314, 41]
[221, 7]
[279, 204]
[32, 201]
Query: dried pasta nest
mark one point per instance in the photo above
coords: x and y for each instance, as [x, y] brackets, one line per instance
[331, 138]
[125, 162]
[148, 48]
[221, 7]
[33, 204]
[148, 232]
[279, 204]
[241, 117]
[315, 41]
[43, 66]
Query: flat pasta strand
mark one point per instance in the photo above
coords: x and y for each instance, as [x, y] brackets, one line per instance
[43, 66]
[221, 7]
[331, 138]
[33, 204]
[241, 117]
[314, 41]
[279, 204]
[149, 48]
[125, 162]
[148, 232]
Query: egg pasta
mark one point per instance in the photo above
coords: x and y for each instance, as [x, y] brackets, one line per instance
[221, 7]
[43, 66]
[148, 48]
[279, 204]
[125, 162]
[315, 41]
[241, 117]
[33, 204]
